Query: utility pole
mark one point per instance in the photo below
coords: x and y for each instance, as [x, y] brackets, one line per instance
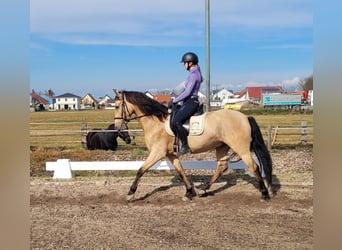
[207, 44]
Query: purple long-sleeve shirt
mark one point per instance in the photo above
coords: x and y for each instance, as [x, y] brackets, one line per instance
[192, 85]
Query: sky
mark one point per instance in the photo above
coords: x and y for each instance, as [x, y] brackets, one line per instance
[94, 46]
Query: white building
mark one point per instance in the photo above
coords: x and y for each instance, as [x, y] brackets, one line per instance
[106, 102]
[68, 101]
[103, 100]
[219, 95]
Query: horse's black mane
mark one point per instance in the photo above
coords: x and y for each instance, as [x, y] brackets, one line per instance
[146, 104]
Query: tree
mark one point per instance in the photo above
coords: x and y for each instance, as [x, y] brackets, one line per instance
[307, 83]
[50, 92]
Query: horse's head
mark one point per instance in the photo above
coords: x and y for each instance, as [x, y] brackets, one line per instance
[122, 115]
[123, 133]
[122, 111]
[118, 109]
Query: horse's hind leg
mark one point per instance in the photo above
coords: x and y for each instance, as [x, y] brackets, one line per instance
[249, 161]
[222, 158]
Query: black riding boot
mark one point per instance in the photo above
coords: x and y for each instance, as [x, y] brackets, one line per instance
[184, 139]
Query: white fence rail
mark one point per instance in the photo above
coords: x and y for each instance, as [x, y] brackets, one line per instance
[64, 168]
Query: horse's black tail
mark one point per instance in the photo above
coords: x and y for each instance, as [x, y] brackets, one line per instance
[261, 151]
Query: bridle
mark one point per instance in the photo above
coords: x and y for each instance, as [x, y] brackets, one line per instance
[125, 115]
[121, 134]
[124, 110]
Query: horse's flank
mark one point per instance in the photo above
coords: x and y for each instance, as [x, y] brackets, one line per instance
[227, 124]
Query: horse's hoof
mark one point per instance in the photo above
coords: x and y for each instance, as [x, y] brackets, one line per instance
[272, 190]
[191, 193]
[130, 198]
[201, 193]
[265, 197]
[131, 191]
[189, 197]
[184, 198]
[203, 186]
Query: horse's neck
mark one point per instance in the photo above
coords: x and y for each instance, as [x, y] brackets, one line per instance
[149, 123]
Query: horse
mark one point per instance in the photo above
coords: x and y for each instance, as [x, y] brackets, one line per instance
[106, 139]
[225, 130]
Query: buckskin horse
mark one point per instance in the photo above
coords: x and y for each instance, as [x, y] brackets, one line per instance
[224, 130]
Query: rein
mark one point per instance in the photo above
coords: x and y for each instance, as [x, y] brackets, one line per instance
[129, 119]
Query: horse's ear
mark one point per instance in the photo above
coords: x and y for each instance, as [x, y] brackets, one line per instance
[117, 93]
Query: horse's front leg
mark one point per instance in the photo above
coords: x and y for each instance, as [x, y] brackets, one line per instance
[190, 191]
[149, 162]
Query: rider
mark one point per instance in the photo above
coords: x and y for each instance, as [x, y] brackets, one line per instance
[188, 99]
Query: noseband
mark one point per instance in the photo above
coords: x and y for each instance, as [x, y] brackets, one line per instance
[122, 128]
[124, 117]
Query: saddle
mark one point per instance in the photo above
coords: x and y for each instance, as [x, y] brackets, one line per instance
[194, 126]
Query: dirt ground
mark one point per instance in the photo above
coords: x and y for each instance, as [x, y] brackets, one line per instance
[92, 213]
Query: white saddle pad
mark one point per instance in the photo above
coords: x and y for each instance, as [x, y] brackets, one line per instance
[196, 125]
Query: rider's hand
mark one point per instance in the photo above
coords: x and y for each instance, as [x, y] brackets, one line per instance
[170, 104]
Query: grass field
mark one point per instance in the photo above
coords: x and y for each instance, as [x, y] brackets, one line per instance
[63, 128]
[56, 135]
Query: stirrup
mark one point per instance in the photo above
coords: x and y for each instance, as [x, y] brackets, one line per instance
[176, 148]
[176, 145]
[183, 151]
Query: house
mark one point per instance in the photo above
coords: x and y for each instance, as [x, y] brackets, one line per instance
[161, 98]
[51, 99]
[38, 103]
[88, 102]
[254, 94]
[68, 101]
[110, 104]
[105, 102]
[219, 95]
[202, 98]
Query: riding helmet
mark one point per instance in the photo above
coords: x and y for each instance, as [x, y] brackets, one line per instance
[190, 57]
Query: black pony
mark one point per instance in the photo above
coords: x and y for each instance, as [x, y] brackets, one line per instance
[106, 140]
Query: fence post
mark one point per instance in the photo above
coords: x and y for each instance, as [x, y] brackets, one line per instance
[269, 137]
[63, 170]
[84, 129]
[304, 139]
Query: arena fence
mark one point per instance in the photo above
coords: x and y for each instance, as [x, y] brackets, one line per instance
[43, 134]
[74, 134]
[65, 169]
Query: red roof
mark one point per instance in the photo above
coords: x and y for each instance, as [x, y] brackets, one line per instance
[256, 92]
[39, 99]
[162, 98]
